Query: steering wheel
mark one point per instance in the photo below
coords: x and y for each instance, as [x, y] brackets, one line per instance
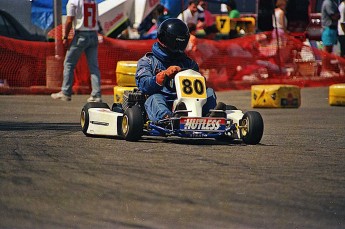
[170, 82]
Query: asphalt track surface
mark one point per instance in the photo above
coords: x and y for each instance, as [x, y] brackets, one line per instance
[52, 176]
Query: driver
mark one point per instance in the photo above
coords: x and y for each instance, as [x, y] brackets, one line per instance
[166, 59]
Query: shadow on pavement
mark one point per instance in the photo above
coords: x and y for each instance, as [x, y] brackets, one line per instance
[24, 126]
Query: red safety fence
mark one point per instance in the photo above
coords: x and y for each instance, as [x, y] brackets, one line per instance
[31, 67]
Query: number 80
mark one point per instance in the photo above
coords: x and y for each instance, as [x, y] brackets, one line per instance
[190, 87]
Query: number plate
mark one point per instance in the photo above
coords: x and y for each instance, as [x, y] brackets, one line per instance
[193, 87]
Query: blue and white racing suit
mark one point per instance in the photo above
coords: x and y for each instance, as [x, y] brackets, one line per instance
[161, 98]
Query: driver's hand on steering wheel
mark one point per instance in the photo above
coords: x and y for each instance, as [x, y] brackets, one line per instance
[170, 73]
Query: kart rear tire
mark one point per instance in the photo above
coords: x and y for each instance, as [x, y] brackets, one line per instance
[253, 129]
[132, 124]
[84, 115]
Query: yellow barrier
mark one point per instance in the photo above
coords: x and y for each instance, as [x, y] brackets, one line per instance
[275, 96]
[337, 94]
[125, 79]
[125, 73]
[224, 24]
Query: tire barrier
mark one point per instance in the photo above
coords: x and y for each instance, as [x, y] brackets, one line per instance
[125, 73]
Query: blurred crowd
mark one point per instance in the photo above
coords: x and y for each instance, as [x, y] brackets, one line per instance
[196, 16]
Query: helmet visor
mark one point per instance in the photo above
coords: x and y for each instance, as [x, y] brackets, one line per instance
[176, 44]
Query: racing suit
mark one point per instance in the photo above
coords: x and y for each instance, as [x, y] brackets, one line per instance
[161, 98]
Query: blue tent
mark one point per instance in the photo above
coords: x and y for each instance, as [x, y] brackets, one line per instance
[42, 13]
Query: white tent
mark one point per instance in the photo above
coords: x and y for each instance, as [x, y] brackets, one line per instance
[113, 13]
[142, 8]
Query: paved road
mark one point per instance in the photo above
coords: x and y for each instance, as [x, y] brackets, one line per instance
[52, 176]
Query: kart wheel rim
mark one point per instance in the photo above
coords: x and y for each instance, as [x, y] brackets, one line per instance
[125, 126]
[245, 128]
[82, 119]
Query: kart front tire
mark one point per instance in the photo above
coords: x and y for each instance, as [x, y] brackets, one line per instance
[84, 115]
[132, 124]
[252, 127]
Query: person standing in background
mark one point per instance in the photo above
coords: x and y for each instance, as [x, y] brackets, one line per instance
[83, 16]
[297, 14]
[208, 19]
[329, 22]
[341, 28]
[191, 15]
[233, 14]
[232, 9]
[193, 42]
[159, 15]
[279, 22]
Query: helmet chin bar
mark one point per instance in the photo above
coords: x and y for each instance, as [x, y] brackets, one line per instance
[169, 51]
[161, 45]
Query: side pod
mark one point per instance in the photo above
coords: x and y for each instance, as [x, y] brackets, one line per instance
[102, 121]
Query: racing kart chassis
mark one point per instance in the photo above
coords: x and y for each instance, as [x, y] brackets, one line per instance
[130, 122]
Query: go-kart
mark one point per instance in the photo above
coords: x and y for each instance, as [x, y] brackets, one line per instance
[129, 120]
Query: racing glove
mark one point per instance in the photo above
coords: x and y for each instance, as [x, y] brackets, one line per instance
[170, 72]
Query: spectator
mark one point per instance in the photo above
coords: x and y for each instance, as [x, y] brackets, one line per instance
[232, 9]
[192, 44]
[191, 15]
[329, 22]
[201, 14]
[158, 16]
[279, 22]
[341, 28]
[233, 14]
[145, 25]
[297, 14]
[85, 40]
[162, 14]
[208, 20]
[264, 17]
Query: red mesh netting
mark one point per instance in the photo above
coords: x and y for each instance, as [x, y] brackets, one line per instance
[30, 67]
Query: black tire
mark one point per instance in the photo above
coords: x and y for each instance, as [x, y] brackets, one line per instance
[132, 124]
[84, 115]
[253, 127]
